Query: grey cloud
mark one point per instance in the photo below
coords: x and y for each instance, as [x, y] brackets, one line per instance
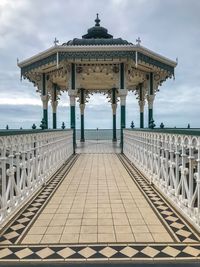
[169, 27]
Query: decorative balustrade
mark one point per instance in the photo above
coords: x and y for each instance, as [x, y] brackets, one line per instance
[27, 160]
[171, 161]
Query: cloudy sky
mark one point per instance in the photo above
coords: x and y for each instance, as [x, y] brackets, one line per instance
[169, 27]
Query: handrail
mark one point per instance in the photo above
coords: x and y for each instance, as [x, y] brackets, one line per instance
[171, 161]
[27, 161]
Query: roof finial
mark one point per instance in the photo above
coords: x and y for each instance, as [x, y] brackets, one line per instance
[97, 20]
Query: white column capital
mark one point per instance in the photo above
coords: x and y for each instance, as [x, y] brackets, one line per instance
[82, 108]
[54, 105]
[141, 105]
[72, 99]
[150, 99]
[72, 92]
[123, 100]
[45, 100]
[114, 108]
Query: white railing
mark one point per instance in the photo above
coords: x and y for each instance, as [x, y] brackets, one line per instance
[171, 161]
[27, 161]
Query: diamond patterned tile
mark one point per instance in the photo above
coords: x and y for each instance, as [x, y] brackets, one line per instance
[44, 253]
[23, 253]
[108, 252]
[129, 251]
[87, 252]
[173, 252]
[151, 252]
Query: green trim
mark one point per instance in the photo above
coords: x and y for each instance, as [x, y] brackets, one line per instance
[150, 115]
[73, 76]
[140, 92]
[54, 121]
[151, 83]
[113, 95]
[123, 124]
[73, 125]
[141, 119]
[122, 76]
[154, 62]
[96, 55]
[82, 98]
[45, 116]
[114, 128]
[82, 129]
[43, 84]
[178, 131]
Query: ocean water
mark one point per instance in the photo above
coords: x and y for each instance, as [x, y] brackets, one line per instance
[100, 134]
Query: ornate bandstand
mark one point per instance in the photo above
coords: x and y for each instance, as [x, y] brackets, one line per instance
[97, 62]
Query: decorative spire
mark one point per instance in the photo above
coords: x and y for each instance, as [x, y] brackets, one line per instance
[97, 20]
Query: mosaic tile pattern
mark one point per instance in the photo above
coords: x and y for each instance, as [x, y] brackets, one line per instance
[101, 252]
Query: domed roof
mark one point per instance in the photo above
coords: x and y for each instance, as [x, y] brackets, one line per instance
[97, 35]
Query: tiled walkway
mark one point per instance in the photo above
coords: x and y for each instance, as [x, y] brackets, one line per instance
[98, 207]
[97, 202]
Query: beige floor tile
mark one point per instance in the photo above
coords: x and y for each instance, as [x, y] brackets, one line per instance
[104, 216]
[105, 221]
[41, 223]
[89, 215]
[73, 222]
[121, 221]
[72, 229]
[53, 230]
[58, 222]
[140, 229]
[125, 237]
[37, 230]
[143, 237]
[162, 237]
[156, 228]
[88, 229]
[69, 238]
[50, 239]
[122, 229]
[32, 239]
[75, 215]
[86, 238]
[105, 229]
[89, 222]
[106, 237]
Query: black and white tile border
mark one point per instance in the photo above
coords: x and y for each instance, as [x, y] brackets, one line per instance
[100, 252]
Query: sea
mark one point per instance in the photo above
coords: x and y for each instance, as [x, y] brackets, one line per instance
[98, 134]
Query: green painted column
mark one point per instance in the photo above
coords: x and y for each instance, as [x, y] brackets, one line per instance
[141, 119]
[45, 100]
[123, 94]
[150, 97]
[114, 128]
[72, 95]
[114, 108]
[150, 114]
[54, 121]
[141, 104]
[73, 124]
[54, 105]
[82, 108]
[82, 128]
[123, 123]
